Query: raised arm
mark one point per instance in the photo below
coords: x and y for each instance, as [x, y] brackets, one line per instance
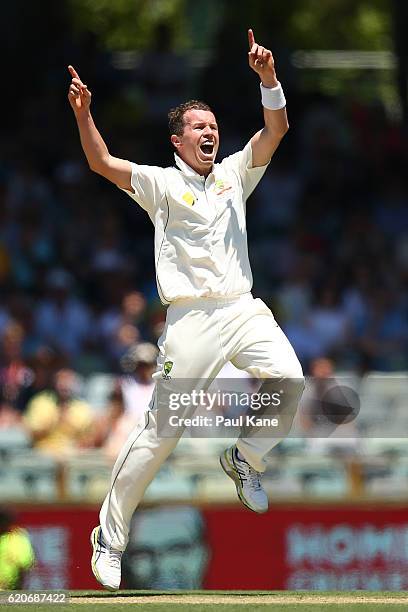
[117, 170]
[265, 142]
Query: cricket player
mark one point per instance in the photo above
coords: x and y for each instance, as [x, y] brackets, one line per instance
[198, 209]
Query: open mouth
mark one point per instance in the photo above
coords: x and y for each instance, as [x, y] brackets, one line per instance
[207, 148]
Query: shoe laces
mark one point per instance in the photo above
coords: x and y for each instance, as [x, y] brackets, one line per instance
[115, 558]
[249, 474]
[113, 555]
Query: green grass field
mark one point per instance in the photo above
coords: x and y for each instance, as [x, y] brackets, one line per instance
[227, 601]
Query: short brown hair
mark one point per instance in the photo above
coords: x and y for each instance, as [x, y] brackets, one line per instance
[176, 115]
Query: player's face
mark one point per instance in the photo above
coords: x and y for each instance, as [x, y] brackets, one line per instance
[199, 142]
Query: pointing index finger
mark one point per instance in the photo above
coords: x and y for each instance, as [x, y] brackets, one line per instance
[73, 72]
[251, 38]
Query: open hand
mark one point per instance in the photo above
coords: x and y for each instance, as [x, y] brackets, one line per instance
[79, 95]
[261, 61]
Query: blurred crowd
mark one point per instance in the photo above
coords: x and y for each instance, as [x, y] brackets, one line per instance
[327, 227]
[55, 407]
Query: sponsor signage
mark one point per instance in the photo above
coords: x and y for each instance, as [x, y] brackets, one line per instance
[291, 547]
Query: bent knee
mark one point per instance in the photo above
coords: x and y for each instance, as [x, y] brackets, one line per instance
[288, 368]
[289, 379]
[292, 371]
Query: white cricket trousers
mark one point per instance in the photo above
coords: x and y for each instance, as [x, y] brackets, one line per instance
[200, 336]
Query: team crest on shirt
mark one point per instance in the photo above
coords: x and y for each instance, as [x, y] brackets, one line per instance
[167, 369]
[188, 198]
[221, 186]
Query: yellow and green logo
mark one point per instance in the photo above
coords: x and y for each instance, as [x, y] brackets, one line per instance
[167, 369]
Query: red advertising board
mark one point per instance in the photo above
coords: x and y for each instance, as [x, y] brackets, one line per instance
[309, 548]
[298, 548]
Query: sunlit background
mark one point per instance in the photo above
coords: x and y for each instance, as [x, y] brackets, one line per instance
[79, 312]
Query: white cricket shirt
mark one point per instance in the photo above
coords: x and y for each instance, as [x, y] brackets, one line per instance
[200, 229]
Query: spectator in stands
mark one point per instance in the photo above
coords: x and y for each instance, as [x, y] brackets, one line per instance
[130, 312]
[15, 375]
[27, 185]
[32, 248]
[327, 411]
[383, 338]
[321, 377]
[58, 421]
[43, 363]
[126, 336]
[356, 295]
[302, 337]
[9, 416]
[328, 320]
[137, 385]
[62, 320]
[112, 429]
[295, 295]
[16, 553]
[21, 308]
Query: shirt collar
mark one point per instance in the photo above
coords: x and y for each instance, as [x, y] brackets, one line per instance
[185, 168]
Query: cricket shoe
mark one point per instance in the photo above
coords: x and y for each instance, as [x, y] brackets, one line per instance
[247, 480]
[105, 561]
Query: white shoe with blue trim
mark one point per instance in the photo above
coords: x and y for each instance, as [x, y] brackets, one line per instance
[105, 562]
[247, 480]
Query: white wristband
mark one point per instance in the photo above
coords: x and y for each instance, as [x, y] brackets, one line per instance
[273, 98]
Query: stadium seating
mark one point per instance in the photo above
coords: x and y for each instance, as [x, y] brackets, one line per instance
[297, 467]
